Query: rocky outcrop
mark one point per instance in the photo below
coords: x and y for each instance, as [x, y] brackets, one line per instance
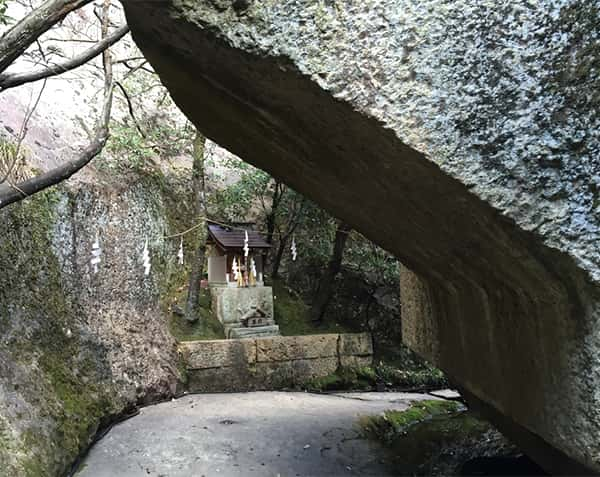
[80, 348]
[462, 136]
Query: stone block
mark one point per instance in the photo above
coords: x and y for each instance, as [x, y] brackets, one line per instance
[306, 369]
[219, 353]
[283, 348]
[356, 361]
[231, 303]
[217, 380]
[254, 332]
[274, 375]
[356, 344]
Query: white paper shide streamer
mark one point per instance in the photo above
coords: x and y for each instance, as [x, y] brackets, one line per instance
[96, 252]
[293, 249]
[246, 248]
[180, 253]
[235, 269]
[146, 259]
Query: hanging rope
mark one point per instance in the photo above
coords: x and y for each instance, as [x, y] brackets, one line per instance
[243, 229]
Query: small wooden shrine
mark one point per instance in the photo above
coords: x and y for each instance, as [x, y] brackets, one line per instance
[236, 255]
[240, 300]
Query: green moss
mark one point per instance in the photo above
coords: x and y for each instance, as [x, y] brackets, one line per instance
[433, 437]
[390, 424]
[367, 378]
[345, 379]
[293, 317]
[207, 327]
[38, 340]
[401, 376]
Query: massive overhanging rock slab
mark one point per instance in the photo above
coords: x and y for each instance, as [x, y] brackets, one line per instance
[463, 137]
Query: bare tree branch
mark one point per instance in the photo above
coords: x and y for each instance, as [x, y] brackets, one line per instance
[133, 69]
[130, 107]
[16, 40]
[8, 80]
[10, 193]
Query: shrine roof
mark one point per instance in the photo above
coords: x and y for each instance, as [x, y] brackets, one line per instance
[233, 238]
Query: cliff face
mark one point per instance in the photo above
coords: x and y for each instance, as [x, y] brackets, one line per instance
[78, 347]
[461, 136]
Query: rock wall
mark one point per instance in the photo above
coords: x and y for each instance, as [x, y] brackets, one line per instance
[79, 348]
[461, 136]
[275, 363]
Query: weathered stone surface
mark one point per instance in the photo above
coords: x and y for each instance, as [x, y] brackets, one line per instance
[219, 353]
[221, 380]
[274, 376]
[296, 347]
[274, 363]
[78, 347]
[356, 361]
[306, 369]
[462, 136]
[356, 344]
[230, 304]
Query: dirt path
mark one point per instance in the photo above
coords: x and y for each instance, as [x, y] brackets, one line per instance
[260, 433]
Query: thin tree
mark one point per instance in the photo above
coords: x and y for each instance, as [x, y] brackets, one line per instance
[326, 283]
[286, 230]
[201, 210]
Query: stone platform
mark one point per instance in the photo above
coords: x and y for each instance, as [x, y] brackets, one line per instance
[270, 364]
[237, 307]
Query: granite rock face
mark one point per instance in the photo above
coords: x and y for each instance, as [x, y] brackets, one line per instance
[80, 348]
[462, 136]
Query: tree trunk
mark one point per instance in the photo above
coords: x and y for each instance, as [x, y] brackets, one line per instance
[198, 178]
[325, 288]
[278, 256]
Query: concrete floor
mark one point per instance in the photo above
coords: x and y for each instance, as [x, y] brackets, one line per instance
[259, 433]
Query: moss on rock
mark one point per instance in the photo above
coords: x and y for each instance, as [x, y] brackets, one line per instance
[434, 437]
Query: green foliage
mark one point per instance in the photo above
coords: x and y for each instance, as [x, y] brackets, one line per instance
[293, 317]
[255, 194]
[410, 375]
[12, 160]
[127, 144]
[207, 327]
[4, 18]
[155, 131]
[252, 188]
[375, 264]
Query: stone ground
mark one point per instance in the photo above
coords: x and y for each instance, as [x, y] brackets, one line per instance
[259, 433]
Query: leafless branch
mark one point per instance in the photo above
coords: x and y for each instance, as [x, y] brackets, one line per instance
[10, 193]
[17, 79]
[130, 107]
[141, 66]
[16, 40]
[131, 58]
[72, 40]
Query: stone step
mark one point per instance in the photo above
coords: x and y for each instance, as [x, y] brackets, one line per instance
[257, 331]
